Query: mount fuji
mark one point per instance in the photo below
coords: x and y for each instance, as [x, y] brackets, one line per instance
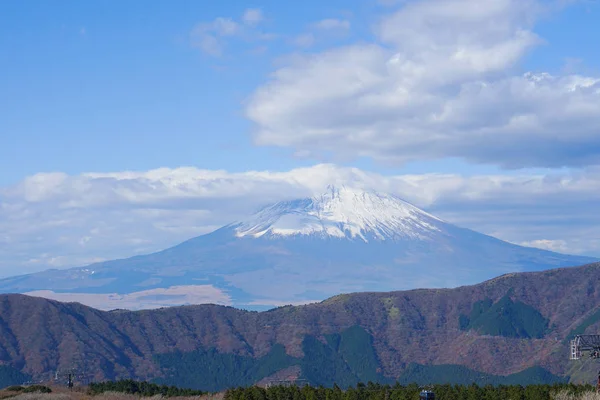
[294, 252]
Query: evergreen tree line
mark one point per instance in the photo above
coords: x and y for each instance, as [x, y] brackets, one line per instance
[372, 391]
[144, 389]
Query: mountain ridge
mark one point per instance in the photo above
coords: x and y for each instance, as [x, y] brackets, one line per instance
[420, 326]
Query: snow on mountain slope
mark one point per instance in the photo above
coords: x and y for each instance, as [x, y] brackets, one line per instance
[342, 212]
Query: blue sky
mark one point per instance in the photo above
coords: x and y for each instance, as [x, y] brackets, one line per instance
[104, 86]
[112, 86]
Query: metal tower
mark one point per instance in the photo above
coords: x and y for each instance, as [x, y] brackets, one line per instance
[69, 376]
[583, 344]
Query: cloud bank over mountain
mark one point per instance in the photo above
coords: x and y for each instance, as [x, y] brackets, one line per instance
[56, 220]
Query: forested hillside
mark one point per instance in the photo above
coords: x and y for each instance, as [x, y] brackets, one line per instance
[512, 329]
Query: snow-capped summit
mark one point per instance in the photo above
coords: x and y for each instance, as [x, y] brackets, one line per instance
[342, 212]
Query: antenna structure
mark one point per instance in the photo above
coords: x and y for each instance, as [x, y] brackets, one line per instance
[582, 344]
[69, 376]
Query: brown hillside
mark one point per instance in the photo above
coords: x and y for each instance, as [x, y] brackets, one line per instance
[38, 336]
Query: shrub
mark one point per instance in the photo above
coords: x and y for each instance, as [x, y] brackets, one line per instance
[36, 389]
[144, 389]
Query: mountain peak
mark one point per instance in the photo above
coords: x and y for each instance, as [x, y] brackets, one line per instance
[342, 212]
[310, 249]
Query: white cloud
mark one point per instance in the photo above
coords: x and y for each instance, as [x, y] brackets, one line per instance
[560, 246]
[208, 37]
[211, 37]
[253, 16]
[225, 27]
[56, 220]
[442, 80]
[333, 24]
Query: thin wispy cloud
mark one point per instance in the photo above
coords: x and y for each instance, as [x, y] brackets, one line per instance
[332, 24]
[212, 37]
[253, 16]
[304, 40]
[320, 30]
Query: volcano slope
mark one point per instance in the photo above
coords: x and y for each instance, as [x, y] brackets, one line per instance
[293, 252]
[516, 323]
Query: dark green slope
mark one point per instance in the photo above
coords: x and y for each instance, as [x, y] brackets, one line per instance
[506, 318]
[212, 371]
[344, 359]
